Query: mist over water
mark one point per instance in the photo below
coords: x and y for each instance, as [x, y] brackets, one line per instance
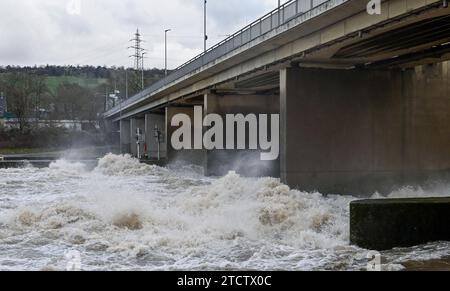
[124, 215]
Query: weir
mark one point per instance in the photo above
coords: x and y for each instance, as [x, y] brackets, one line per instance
[363, 99]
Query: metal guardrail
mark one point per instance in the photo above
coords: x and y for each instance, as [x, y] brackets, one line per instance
[263, 25]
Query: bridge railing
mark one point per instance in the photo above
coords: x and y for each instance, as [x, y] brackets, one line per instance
[263, 25]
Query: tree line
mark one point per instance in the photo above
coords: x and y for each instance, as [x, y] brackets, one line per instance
[97, 72]
[29, 96]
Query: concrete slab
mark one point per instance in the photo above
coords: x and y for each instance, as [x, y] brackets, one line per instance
[389, 223]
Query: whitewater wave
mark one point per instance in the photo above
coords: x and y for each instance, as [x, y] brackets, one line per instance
[117, 165]
[127, 215]
[67, 166]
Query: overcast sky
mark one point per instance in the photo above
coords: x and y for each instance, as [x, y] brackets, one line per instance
[97, 32]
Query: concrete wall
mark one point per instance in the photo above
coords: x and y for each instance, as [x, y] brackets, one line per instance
[112, 134]
[359, 131]
[245, 162]
[193, 157]
[152, 120]
[110, 127]
[125, 136]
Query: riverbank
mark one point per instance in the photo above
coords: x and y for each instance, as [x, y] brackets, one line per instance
[22, 151]
[42, 158]
[87, 152]
[49, 139]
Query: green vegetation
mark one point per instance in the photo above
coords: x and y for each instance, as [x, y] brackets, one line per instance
[88, 83]
[22, 151]
[46, 139]
[48, 93]
[90, 77]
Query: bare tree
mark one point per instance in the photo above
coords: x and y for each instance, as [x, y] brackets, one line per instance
[22, 91]
[72, 100]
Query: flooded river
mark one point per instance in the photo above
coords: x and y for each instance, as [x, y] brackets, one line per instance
[123, 215]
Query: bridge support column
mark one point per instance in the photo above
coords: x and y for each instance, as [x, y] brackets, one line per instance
[125, 136]
[112, 134]
[245, 162]
[155, 123]
[361, 131]
[135, 124]
[110, 127]
[183, 156]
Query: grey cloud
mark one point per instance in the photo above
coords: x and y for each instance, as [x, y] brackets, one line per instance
[42, 31]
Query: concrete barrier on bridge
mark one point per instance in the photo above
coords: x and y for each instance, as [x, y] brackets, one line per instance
[389, 223]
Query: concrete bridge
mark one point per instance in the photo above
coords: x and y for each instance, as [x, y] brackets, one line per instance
[364, 100]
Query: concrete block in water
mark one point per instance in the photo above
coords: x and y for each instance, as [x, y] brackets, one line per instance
[388, 223]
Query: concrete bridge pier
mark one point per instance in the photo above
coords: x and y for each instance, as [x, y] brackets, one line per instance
[361, 131]
[247, 162]
[155, 125]
[188, 155]
[125, 136]
[111, 127]
[112, 131]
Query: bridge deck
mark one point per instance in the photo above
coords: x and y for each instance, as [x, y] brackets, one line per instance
[306, 9]
[332, 32]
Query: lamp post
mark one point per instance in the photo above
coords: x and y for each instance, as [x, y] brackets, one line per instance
[165, 49]
[205, 31]
[120, 124]
[142, 71]
[126, 83]
[279, 12]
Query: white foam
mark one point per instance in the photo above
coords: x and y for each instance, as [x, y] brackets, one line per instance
[67, 167]
[124, 165]
[124, 215]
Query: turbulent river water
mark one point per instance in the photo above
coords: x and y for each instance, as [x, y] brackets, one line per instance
[123, 215]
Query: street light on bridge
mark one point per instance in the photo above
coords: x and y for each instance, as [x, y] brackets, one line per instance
[205, 32]
[165, 50]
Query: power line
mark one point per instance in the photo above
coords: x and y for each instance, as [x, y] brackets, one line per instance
[138, 50]
[138, 57]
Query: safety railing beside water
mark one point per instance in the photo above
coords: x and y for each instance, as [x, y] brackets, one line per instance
[263, 25]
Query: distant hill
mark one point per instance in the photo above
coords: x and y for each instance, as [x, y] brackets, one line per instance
[59, 71]
[89, 77]
[88, 83]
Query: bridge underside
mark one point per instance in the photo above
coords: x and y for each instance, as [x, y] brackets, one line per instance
[359, 115]
[365, 130]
